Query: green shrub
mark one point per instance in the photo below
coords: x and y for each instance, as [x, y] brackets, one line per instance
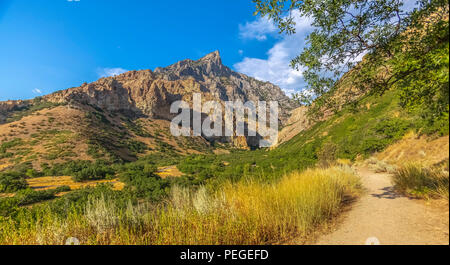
[12, 182]
[94, 149]
[8, 207]
[142, 181]
[97, 116]
[10, 144]
[30, 196]
[95, 171]
[32, 173]
[137, 128]
[136, 147]
[80, 170]
[77, 199]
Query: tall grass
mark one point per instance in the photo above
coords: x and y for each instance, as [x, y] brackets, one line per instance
[380, 166]
[242, 213]
[423, 182]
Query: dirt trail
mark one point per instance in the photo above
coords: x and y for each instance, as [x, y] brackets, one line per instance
[390, 218]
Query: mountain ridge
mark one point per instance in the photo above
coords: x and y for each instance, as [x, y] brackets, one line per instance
[150, 92]
[128, 115]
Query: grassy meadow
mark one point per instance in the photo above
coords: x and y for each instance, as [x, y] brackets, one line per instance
[247, 212]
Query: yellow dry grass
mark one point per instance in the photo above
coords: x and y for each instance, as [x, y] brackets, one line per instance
[344, 162]
[422, 150]
[46, 183]
[221, 151]
[243, 213]
[7, 195]
[3, 166]
[172, 171]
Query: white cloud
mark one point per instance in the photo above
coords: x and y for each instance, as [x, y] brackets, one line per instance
[276, 67]
[106, 72]
[258, 29]
[241, 52]
[37, 91]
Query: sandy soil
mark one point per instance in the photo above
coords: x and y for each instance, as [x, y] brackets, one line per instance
[382, 216]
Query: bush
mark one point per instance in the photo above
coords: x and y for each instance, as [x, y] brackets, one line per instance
[380, 166]
[30, 196]
[142, 181]
[8, 207]
[96, 171]
[22, 168]
[80, 170]
[6, 145]
[137, 128]
[327, 154]
[136, 147]
[37, 105]
[77, 199]
[12, 182]
[32, 173]
[423, 182]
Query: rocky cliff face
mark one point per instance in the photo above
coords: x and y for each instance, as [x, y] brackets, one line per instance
[151, 93]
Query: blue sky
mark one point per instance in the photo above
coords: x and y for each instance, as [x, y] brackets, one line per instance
[48, 45]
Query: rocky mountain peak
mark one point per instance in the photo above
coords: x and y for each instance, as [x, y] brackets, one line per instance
[207, 66]
[213, 57]
[150, 93]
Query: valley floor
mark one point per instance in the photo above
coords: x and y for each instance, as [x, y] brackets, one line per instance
[389, 217]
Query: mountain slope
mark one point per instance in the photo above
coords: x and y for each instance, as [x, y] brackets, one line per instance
[125, 116]
[150, 93]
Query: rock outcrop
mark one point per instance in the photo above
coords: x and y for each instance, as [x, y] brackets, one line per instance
[151, 93]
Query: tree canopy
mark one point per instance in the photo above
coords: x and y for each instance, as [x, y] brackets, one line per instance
[399, 47]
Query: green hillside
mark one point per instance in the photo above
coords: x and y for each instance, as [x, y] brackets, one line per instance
[360, 129]
[242, 197]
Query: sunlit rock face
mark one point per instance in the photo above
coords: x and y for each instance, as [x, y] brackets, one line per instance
[150, 94]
